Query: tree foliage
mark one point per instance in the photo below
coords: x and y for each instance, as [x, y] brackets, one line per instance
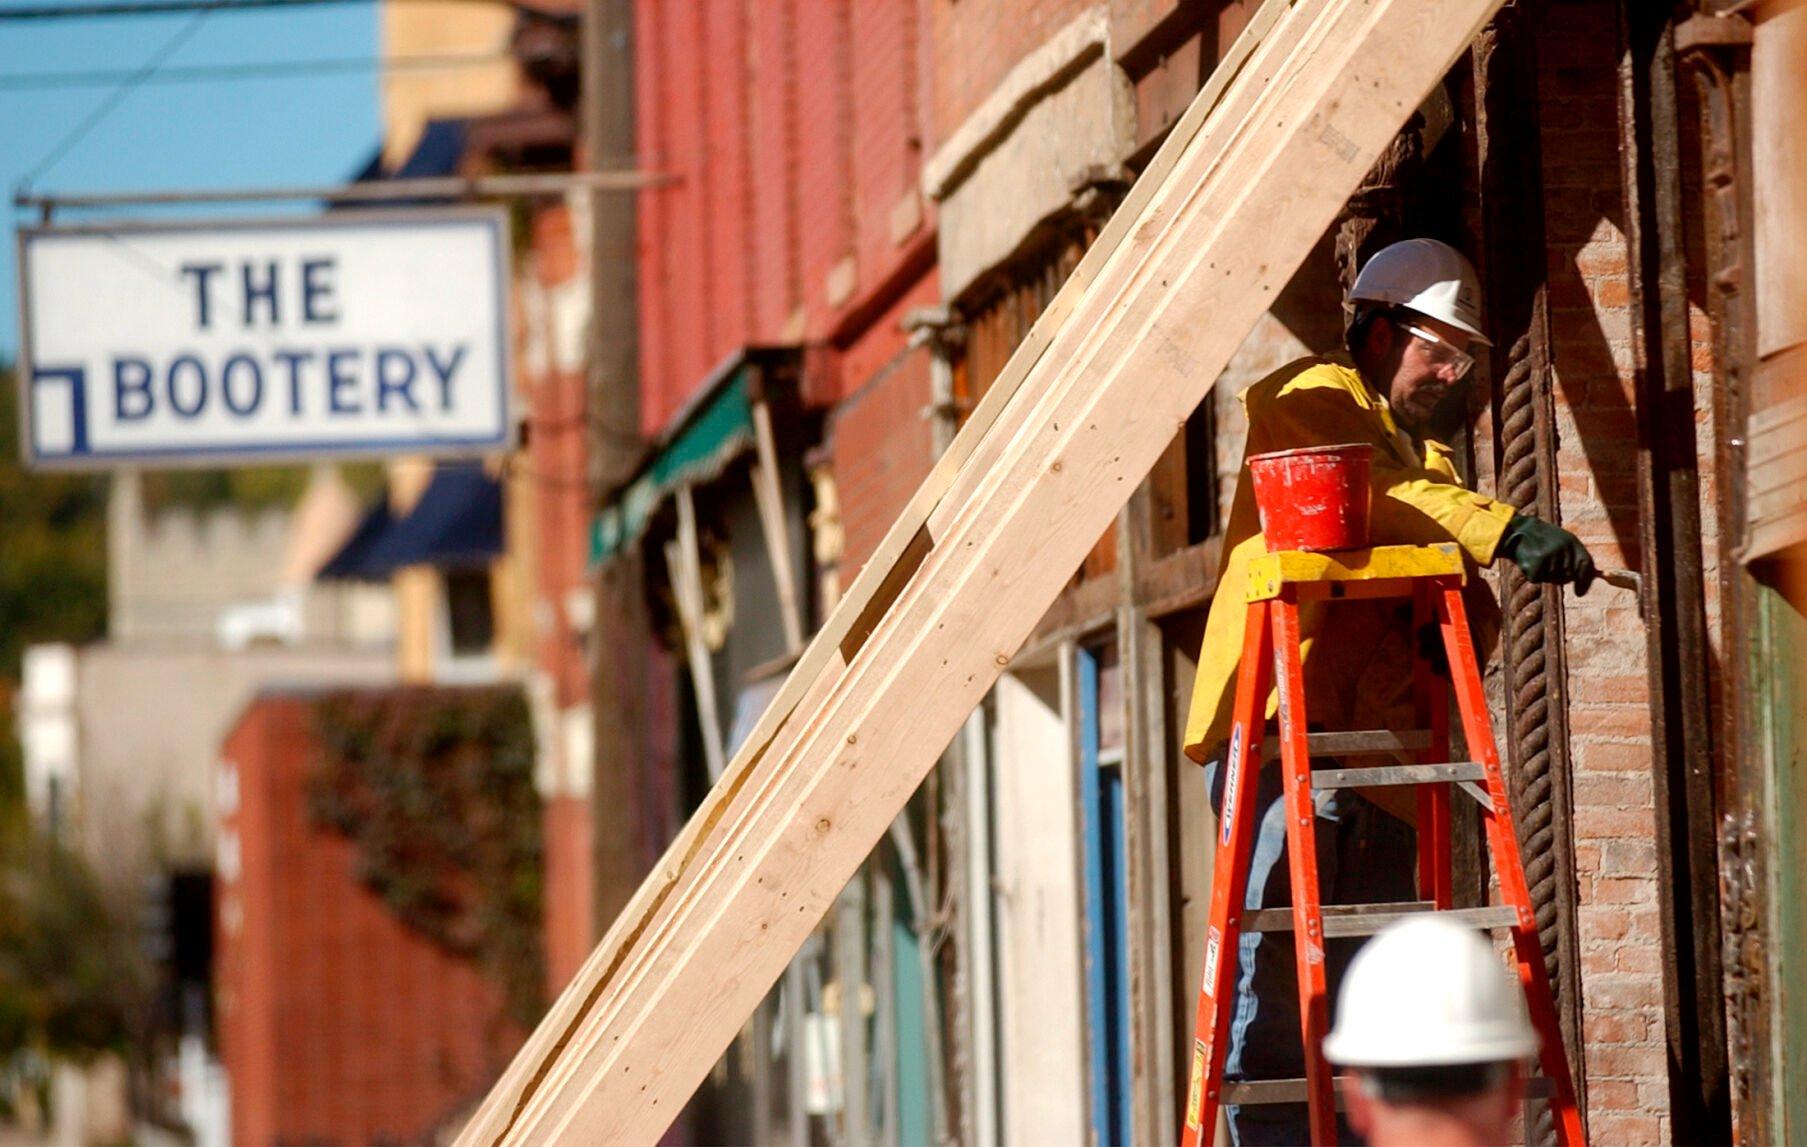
[53, 549]
[435, 785]
[71, 976]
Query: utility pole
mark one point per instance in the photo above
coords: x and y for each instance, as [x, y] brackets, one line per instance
[606, 118]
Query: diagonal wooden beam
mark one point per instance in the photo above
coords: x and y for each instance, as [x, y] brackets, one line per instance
[1254, 54]
[1135, 346]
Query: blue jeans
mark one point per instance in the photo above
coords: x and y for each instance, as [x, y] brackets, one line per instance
[1365, 856]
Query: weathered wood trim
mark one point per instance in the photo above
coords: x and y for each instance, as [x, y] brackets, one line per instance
[1687, 843]
[1146, 745]
[1184, 579]
[1716, 51]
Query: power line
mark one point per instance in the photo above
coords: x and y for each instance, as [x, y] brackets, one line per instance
[31, 12]
[118, 95]
[272, 69]
[524, 184]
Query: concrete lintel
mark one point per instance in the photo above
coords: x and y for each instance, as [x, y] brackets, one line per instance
[1041, 71]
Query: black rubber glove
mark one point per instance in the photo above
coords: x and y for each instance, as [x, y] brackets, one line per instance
[1547, 553]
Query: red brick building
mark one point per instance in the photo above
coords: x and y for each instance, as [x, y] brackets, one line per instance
[337, 1022]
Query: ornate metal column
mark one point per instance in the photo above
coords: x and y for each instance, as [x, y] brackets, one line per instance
[1513, 265]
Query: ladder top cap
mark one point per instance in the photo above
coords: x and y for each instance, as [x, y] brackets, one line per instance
[1270, 572]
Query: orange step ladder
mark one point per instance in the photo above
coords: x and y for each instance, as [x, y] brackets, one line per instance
[1278, 584]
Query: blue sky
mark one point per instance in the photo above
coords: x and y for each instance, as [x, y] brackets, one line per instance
[301, 129]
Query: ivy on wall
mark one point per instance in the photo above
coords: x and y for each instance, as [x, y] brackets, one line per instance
[435, 786]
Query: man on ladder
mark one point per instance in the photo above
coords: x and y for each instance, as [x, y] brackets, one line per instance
[1414, 318]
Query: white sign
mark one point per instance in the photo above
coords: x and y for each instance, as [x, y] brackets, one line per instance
[239, 343]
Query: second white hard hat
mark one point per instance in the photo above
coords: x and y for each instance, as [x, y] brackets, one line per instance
[1426, 276]
[1426, 992]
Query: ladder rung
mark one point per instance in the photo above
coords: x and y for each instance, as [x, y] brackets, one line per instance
[1259, 1092]
[1367, 919]
[1397, 775]
[1256, 1092]
[1355, 744]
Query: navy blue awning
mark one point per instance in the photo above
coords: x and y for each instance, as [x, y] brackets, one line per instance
[457, 523]
[438, 152]
[352, 562]
[371, 168]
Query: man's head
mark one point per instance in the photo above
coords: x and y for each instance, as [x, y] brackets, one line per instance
[1415, 323]
[1434, 1031]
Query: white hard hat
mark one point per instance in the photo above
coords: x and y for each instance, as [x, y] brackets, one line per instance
[1426, 992]
[1426, 276]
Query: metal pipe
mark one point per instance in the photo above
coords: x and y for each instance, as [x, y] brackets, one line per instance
[884, 1012]
[796, 1035]
[850, 974]
[26, 13]
[977, 813]
[377, 191]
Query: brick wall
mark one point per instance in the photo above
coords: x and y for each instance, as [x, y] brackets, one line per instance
[1614, 825]
[888, 145]
[337, 1023]
[976, 45]
[795, 129]
[880, 436]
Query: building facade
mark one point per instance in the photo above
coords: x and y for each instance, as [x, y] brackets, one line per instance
[870, 205]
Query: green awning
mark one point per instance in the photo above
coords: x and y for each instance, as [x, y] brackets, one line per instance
[705, 442]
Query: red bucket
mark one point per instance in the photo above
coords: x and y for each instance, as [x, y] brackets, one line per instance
[1315, 498]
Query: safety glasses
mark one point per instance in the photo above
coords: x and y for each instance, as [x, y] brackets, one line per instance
[1440, 350]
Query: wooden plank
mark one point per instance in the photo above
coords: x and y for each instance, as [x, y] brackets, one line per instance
[1218, 237]
[684, 563]
[768, 496]
[822, 659]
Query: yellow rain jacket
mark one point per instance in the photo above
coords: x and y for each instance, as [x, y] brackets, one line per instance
[1360, 675]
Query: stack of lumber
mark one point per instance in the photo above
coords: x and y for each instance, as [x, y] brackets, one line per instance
[1246, 184]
